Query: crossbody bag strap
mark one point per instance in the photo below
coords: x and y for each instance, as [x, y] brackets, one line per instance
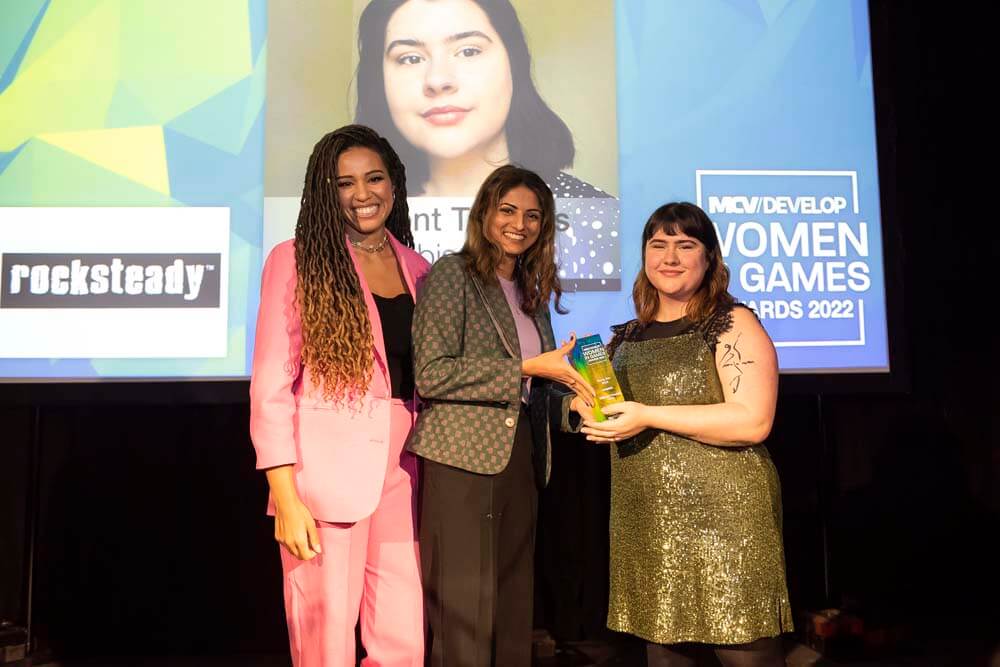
[493, 317]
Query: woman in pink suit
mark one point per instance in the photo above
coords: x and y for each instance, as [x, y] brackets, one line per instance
[332, 402]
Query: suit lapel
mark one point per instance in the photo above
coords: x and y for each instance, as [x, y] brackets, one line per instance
[544, 325]
[373, 316]
[404, 266]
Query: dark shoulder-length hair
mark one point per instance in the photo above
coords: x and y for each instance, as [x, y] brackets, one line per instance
[336, 332]
[713, 293]
[536, 136]
[536, 273]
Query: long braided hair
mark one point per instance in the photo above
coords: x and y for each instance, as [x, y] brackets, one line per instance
[336, 333]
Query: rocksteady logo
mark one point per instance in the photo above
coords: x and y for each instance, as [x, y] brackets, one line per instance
[47, 280]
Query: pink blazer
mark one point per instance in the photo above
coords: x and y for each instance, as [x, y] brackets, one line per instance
[340, 454]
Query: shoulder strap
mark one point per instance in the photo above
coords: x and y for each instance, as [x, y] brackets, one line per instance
[717, 323]
[619, 334]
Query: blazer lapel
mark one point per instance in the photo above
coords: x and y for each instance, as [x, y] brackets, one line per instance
[373, 316]
[496, 305]
[544, 325]
[404, 266]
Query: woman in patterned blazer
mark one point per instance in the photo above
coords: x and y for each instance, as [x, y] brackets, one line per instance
[484, 354]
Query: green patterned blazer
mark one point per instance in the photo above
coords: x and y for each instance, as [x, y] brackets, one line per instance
[467, 366]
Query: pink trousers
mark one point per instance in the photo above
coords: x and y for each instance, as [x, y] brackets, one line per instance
[369, 568]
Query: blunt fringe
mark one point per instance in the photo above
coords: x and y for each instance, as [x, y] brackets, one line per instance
[713, 293]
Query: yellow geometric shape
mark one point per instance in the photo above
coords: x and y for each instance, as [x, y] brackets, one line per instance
[63, 18]
[137, 153]
[67, 82]
[176, 54]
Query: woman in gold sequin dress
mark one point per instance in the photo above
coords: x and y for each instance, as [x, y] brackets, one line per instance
[696, 548]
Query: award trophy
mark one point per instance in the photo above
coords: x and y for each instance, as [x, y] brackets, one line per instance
[590, 359]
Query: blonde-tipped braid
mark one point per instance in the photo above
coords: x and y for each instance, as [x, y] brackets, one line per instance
[337, 347]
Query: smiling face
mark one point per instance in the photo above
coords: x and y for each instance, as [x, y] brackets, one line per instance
[364, 192]
[675, 265]
[516, 223]
[447, 77]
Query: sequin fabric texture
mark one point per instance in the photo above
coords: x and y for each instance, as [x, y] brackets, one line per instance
[696, 549]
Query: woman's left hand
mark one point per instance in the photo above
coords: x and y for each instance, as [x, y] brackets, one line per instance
[630, 419]
[553, 365]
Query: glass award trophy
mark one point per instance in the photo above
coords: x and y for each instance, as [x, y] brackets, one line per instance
[590, 360]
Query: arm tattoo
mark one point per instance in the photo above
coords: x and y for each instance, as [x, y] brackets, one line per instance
[733, 358]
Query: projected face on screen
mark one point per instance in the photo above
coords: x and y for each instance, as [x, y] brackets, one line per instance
[448, 84]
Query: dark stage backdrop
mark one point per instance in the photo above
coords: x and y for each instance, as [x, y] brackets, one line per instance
[152, 536]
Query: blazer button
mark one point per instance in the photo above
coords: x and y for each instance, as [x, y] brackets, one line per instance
[509, 422]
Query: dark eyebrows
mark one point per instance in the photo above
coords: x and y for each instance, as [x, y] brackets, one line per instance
[454, 38]
[403, 42]
[515, 207]
[369, 173]
[469, 33]
[689, 239]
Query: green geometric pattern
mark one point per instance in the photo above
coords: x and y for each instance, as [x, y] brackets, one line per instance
[138, 103]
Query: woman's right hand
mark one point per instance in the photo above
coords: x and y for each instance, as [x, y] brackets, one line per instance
[553, 365]
[294, 526]
[295, 529]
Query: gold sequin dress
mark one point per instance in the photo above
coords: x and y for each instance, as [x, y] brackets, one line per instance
[696, 549]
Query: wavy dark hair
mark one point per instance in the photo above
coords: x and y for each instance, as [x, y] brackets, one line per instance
[713, 293]
[336, 333]
[536, 137]
[536, 273]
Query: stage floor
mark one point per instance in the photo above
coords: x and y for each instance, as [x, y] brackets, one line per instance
[584, 654]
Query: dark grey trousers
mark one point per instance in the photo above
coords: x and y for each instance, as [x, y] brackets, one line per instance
[477, 545]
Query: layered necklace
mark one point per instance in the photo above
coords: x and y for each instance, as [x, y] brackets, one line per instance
[371, 248]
